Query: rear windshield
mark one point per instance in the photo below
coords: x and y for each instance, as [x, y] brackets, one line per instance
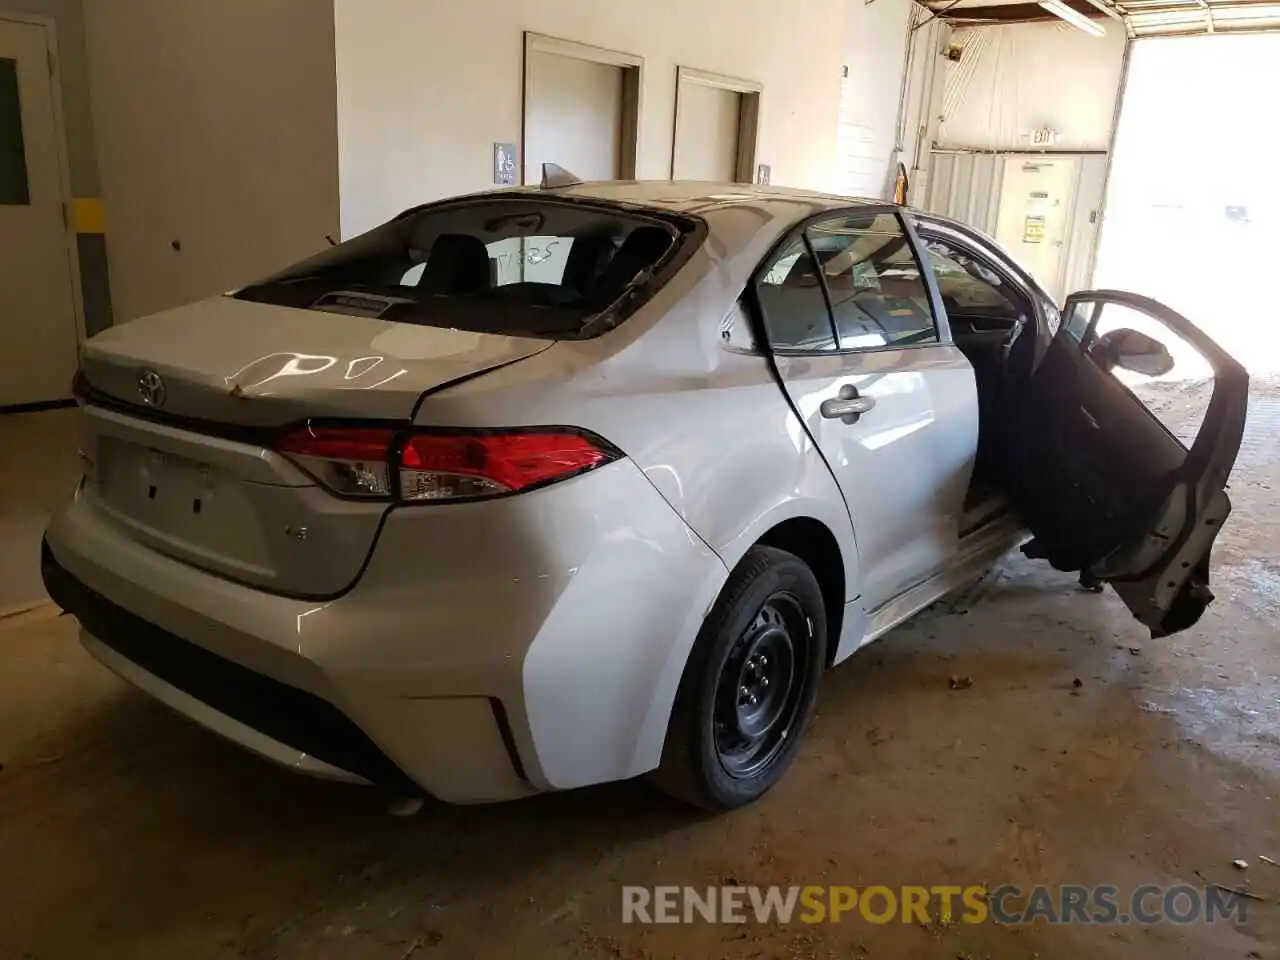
[529, 266]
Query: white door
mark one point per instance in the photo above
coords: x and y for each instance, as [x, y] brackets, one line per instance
[891, 406]
[1036, 201]
[38, 340]
[573, 117]
[706, 143]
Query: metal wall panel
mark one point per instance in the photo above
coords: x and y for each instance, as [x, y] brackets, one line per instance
[965, 186]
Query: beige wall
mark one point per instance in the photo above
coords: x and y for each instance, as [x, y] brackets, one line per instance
[216, 130]
[875, 49]
[1015, 78]
[574, 116]
[425, 87]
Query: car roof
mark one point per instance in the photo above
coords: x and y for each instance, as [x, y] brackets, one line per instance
[689, 195]
[772, 211]
[937, 219]
[698, 196]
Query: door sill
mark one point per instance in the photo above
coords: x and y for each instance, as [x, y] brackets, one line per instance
[978, 551]
[989, 510]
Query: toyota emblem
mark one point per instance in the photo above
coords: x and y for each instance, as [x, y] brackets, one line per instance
[151, 388]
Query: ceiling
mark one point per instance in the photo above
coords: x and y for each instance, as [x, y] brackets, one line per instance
[1141, 18]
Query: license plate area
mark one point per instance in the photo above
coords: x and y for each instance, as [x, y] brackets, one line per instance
[191, 505]
[156, 484]
[175, 485]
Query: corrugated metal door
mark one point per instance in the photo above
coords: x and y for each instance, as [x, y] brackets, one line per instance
[966, 187]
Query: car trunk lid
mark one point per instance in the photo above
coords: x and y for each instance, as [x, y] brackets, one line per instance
[182, 408]
[232, 361]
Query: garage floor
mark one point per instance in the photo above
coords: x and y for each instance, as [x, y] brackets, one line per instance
[128, 833]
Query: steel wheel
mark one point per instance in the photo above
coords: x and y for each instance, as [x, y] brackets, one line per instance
[749, 685]
[761, 687]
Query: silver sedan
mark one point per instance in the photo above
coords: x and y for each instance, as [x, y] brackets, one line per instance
[541, 488]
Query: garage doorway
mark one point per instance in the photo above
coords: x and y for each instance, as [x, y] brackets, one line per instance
[1193, 200]
[39, 320]
[581, 109]
[717, 121]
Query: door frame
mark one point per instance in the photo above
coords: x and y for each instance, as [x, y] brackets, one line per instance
[748, 140]
[632, 67]
[1117, 113]
[70, 243]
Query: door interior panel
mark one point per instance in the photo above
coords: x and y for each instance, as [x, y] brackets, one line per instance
[1102, 483]
[1098, 466]
[984, 340]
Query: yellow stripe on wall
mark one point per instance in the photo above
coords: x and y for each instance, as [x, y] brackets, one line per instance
[88, 215]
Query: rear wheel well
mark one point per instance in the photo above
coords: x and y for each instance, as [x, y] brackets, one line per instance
[816, 545]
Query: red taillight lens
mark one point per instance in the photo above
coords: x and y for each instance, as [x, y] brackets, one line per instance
[351, 461]
[449, 466]
[425, 465]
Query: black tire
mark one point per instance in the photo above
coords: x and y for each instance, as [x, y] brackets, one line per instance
[722, 749]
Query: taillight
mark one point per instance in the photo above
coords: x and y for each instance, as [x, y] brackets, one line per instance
[420, 466]
[449, 466]
[350, 461]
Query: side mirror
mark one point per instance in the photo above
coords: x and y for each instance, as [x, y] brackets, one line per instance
[1134, 351]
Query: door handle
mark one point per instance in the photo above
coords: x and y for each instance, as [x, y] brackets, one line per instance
[848, 406]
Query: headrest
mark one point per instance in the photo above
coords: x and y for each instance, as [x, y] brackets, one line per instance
[457, 263]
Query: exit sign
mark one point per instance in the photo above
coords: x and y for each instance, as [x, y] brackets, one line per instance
[1044, 137]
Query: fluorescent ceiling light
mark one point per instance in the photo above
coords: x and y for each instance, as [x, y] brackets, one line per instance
[1073, 17]
[1106, 8]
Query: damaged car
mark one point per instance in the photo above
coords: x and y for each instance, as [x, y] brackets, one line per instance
[545, 487]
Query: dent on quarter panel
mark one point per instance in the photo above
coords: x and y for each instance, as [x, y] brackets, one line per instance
[600, 678]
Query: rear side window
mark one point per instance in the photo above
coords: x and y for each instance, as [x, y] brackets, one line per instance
[792, 303]
[529, 267]
[969, 287]
[878, 296]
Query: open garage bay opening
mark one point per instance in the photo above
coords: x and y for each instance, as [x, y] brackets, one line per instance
[1193, 202]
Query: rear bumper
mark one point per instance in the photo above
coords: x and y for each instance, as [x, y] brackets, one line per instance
[489, 651]
[279, 722]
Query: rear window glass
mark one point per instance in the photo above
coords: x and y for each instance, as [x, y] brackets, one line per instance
[529, 267]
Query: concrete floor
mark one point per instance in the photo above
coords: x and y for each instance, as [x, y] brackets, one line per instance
[39, 467]
[126, 832]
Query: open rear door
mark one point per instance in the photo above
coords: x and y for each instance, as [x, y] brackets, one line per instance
[1128, 430]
